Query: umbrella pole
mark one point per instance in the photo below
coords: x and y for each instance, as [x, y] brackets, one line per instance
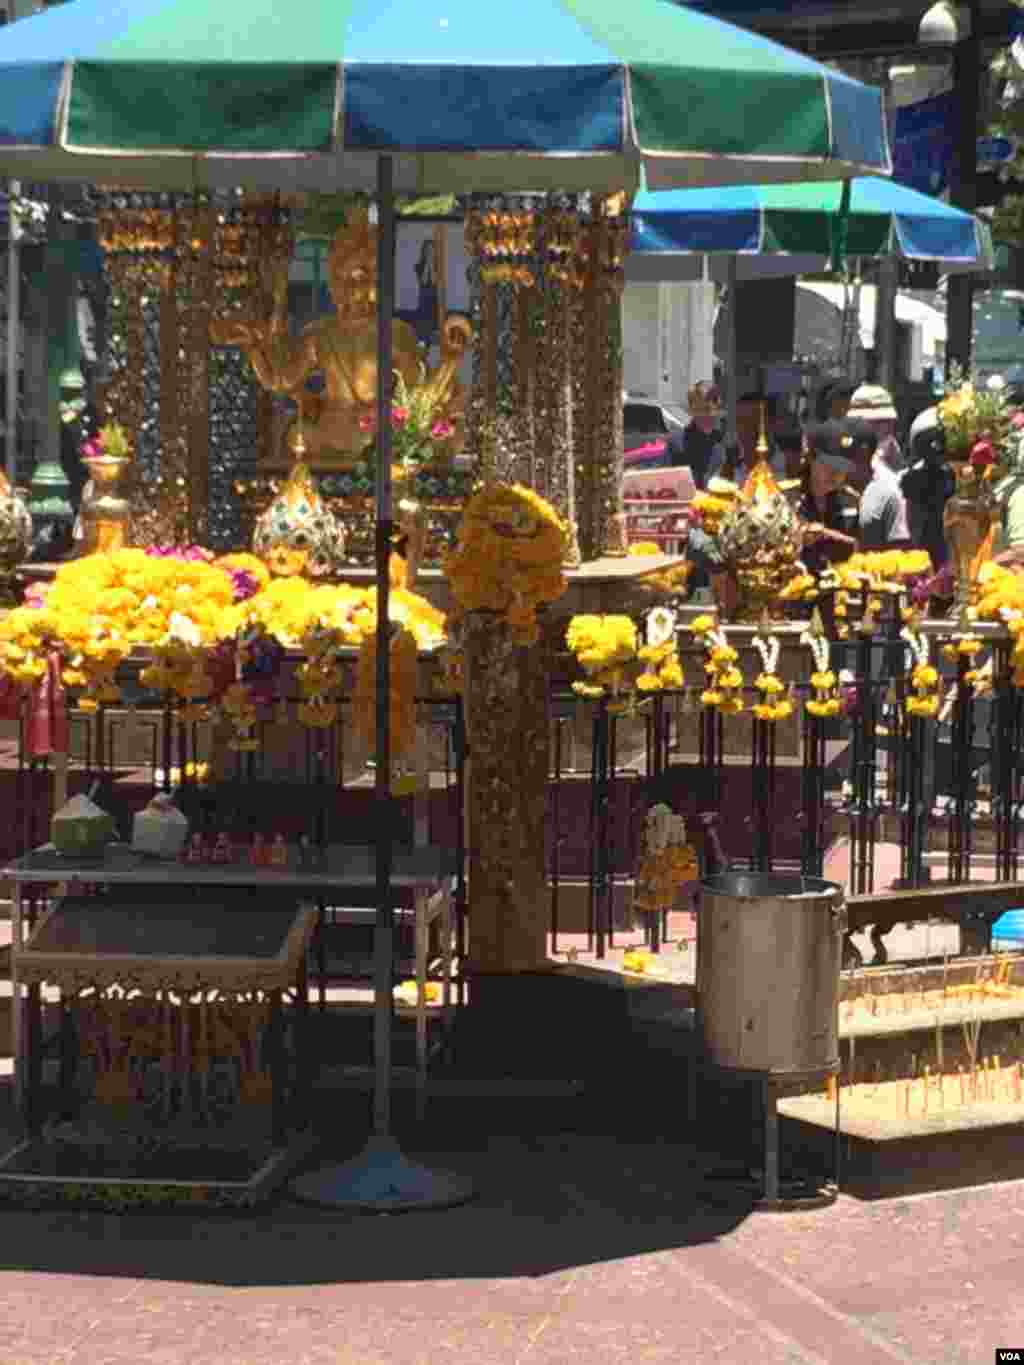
[729, 357]
[381, 1179]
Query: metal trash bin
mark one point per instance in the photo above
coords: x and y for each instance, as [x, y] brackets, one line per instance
[769, 951]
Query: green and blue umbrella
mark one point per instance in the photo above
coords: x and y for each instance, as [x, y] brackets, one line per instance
[796, 229]
[561, 94]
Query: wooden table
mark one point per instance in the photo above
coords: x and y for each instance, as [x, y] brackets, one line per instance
[205, 925]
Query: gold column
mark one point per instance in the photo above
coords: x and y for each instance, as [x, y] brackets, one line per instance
[489, 379]
[198, 461]
[535, 473]
[507, 727]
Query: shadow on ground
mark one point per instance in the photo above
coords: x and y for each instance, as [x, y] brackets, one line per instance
[543, 1204]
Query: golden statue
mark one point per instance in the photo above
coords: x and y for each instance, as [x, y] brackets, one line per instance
[332, 428]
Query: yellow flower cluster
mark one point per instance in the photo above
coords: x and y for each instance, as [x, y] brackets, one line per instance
[320, 674]
[712, 510]
[408, 993]
[968, 414]
[607, 648]
[402, 691]
[637, 962]
[662, 668]
[924, 678]
[724, 688]
[238, 707]
[877, 570]
[644, 549]
[824, 702]
[102, 606]
[243, 562]
[603, 646]
[803, 586]
[289, 607]
[1000, 592]
[508, 557]
[660, 874]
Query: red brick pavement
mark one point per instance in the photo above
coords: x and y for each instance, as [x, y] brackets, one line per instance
[577, 1251]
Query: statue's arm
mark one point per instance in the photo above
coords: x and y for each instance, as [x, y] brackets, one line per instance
[283, 365]
[280, 363]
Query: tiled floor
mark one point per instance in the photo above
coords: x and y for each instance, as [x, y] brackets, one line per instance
[577, 1249]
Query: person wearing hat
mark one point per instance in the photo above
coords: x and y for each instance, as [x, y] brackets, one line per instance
[834, 400]
[825, 513]
[695, 446]
[927, 485]
[873, 404]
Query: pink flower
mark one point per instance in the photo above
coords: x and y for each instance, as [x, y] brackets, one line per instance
[982, 455]
[398, 416]
[367, 423]
[441, 430]
[1017, 421]
[90, 449]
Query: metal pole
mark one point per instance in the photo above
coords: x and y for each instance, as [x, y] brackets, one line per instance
[729, 353]
[963, 192]
[885, 321]
[383, 965]
[381, 1179]
[13, 331]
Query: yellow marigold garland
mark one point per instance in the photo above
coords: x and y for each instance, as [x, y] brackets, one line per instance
[825, 701]
[924, 677]
[774, 703]
[508, 557]
[603, 646]
[402, 689]
[102, 606]
[724, 689]
[667, 860]
[608, 650]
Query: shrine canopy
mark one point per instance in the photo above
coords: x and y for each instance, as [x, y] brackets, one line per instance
[796, 229]
[553, 94]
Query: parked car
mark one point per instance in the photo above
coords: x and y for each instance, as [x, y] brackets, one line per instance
[646, 422]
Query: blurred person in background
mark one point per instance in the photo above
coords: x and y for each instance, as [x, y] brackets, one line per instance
[700, 441]
[873, 404]
[834, 399]
[824, 511]
[882, 517]
[751, 407]
[927, 485]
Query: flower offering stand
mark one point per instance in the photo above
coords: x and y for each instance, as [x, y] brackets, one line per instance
[185, 1053]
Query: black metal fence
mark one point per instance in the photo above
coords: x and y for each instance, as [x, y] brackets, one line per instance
[947, 792]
